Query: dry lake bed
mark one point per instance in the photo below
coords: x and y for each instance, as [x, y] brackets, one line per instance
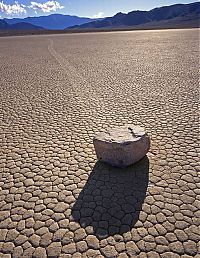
[56, 93]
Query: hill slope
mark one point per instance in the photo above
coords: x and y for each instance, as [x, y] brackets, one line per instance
[53, 21]
[3, 25]
[18, 26]
[157, 15]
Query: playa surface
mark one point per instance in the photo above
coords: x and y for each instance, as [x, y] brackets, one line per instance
[56, 93]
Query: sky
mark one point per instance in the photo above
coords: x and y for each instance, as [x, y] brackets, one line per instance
[83, 8]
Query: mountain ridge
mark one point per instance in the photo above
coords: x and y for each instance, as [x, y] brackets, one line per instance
[18, 26]
[52, 21]
[135, 18]
[173, 16]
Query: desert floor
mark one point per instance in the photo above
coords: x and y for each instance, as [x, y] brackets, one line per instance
[56, 93]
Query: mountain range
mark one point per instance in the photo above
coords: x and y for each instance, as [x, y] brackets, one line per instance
[18, 26]
[52, 22]
[178, 15]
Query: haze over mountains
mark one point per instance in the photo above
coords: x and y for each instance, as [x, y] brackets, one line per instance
[178, 15]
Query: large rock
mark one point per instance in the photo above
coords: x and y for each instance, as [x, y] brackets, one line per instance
[122, 146]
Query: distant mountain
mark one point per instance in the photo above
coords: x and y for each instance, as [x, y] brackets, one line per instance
[3, 25]
[176, 13]
[18, 26]
[53, 21]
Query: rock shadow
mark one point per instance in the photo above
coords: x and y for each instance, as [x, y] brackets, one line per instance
[112, 198]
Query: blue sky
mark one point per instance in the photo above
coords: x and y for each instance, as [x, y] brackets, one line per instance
[86, 8]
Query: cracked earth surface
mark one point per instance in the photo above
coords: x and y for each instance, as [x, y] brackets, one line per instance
[56, 92]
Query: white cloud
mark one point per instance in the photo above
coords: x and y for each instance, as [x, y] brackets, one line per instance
[98, 15]
[46, 7]
[15, 8]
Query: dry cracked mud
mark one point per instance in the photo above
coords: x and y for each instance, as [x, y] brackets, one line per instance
[56, 93]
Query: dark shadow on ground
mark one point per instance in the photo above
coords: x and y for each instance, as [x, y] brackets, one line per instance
[112, 198]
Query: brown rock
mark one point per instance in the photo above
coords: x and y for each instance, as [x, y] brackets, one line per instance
[3, 233]
[61, 207]
[39, 253]
[17, 252]
[28, 182]
[54, 249]
[34, 240]
[120, 247]
[82, 246]
[20, 240]
[92, 242]
[69, 249]
[132, 248]
[176, 247]
[109, 252]
[46, 239]
[190, 247]
[12, 234]
[79, 234]
[8, 247]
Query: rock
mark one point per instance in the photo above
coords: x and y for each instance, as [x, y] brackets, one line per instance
[54, 249]
[79, 234]
[132, 248]
[28, 182]
[17, 252]
[69, 249]
[109, 252]
[3, 233]
[39, 253]
[176, 247]
[82, 246]
[120, 247]
[21, 239]
[11, 235]
[122, 146]
[46, 239]
[92, 242]
[60, 207]
[7, 247]
[190, 248]
[35, 240]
